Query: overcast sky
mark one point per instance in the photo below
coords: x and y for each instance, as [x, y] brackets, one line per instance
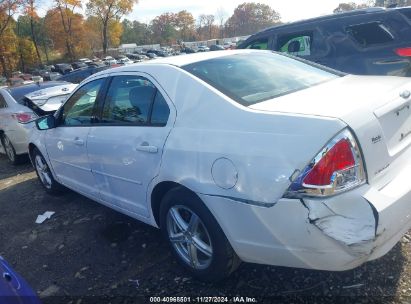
[146, 10]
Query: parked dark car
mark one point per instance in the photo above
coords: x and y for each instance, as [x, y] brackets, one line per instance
[151, 55]
[216, 47]
[62, 68]
[79, 75]
[373, 41]
[79, 65]
[46, 74]
[187, 50]
[158, 53]
[13, 288]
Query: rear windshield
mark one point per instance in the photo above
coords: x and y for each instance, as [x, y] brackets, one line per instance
[251, 78]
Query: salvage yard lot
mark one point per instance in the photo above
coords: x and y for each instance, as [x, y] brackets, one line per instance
[87, 250]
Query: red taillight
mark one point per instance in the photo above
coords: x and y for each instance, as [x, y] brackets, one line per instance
[23, 117]
[404, 52]
[338, 158]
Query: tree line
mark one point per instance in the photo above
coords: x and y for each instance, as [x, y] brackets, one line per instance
[28, 40]
[172, 28]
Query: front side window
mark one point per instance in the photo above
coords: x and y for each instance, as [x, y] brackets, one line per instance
[79, 109]
[369, 34]
[260, 44]
[250, 78]
[134, 100]
[297, 45]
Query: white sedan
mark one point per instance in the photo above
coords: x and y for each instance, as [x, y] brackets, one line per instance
[240, 155]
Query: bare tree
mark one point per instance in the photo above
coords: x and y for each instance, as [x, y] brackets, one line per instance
[221, 16]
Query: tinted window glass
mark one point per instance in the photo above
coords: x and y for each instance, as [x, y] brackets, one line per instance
[79, 108]
[406, 13]
[128, 100]
[298, 45]
[370, 33]
[161, 111]
[259, 76]
[3, 103]
[260, 44]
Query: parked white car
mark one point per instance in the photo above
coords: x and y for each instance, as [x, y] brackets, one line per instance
[241, 155]
[20, 106]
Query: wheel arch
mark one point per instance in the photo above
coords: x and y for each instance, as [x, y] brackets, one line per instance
[31, 149]
[158, 193]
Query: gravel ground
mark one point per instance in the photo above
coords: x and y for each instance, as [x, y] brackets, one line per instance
[87, 253]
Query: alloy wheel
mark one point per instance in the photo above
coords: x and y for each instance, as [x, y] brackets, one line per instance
[9, 149]
[43, 171]
[189, 237]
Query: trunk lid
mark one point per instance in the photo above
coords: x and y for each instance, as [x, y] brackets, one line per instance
[376, 108]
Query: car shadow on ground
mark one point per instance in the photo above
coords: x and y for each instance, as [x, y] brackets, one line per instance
[88, 250]
[7, 170]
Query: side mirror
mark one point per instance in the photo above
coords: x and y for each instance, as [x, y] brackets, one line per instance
[46, 122]
[294, 46]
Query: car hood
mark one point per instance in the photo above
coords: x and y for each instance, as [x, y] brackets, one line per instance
[50, 99]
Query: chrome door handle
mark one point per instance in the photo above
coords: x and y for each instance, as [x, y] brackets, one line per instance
[78, 142]
[145, 147]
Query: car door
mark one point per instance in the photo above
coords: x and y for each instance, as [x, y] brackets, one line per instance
[125, 149]
[67, 143]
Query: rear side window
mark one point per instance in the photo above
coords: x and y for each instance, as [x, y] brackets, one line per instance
[160, 113]
[296, 44]
[134, 100]
[260, 44]
[369, 34]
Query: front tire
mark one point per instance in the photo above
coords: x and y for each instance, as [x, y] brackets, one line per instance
[44, 174]
[195, 237]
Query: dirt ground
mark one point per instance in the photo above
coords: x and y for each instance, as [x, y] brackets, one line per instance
[87, 253]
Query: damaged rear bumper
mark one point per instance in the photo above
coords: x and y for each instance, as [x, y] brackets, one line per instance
[336, 233]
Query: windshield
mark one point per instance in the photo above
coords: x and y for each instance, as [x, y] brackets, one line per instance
[250, 78]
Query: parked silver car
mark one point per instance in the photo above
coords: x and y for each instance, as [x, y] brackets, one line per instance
[19, 106]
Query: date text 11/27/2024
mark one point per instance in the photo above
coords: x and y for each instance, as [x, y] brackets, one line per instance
[236, 299]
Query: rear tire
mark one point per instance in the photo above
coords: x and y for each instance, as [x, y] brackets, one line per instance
[44, 174]
[195, 237]
[13, 158]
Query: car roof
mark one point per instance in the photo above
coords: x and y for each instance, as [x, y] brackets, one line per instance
[335, 16]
